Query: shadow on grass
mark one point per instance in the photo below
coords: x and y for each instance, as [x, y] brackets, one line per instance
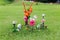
[26, 33]
[30, 32]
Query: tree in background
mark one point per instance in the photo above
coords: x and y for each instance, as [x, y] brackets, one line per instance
[46, 1]
[10, 1]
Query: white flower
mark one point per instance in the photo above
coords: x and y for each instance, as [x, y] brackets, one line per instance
[38, 26]
[43, 14]
[14, 22]
[33, 19]
[31, 1]
[35, 16]
[19, 26]
[17, 29]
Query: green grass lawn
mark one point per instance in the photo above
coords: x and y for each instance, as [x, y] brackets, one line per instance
[10, 13]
